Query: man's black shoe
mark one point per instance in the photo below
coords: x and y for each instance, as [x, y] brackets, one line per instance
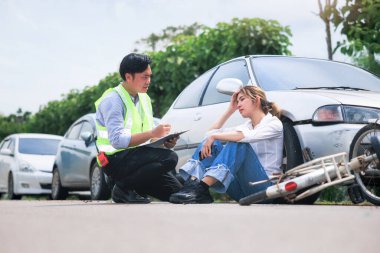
[192, 193]
[130, 196]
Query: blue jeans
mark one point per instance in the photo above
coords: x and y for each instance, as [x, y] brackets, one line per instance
[234, 166]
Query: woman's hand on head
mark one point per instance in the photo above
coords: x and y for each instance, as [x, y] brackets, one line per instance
[233, 102]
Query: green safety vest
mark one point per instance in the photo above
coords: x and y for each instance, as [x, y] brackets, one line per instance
[133, 120]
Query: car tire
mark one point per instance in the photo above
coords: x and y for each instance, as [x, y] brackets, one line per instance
[58, 192]
[293, 157]
[11, 187]
[292, 148]
[98, 185]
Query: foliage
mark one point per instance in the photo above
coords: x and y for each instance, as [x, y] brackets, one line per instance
[188, 55]
[14, 123]
[360, 22]
[179, 64]
[334, 194]
[57, 116]
[365, 62]
[170, 35]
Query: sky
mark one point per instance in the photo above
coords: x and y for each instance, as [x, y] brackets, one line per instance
[48, 47]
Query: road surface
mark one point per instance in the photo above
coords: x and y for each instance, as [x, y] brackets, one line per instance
[84, 226]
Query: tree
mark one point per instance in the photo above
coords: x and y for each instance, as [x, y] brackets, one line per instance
[179, 64]
[170, 35]
[329, 14]
[189, 55]
[360, 20]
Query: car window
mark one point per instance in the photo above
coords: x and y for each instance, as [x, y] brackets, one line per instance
[86, 127]
[5, 144]
[283, 73]
[12, 145]
[38, 146]
[74, 132]
[235, 69]
[191, 96]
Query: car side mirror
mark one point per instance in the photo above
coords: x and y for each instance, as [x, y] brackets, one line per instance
[7, 152]
[87, 137]
[229, 86]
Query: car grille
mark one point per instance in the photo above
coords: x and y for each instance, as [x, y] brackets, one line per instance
[46, 186]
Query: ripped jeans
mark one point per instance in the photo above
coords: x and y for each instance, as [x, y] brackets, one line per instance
[234, 166]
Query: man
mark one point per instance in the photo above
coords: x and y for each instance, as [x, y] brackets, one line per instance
[124, 122]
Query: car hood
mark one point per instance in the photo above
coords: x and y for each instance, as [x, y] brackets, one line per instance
[39, 162]
[359, 98]
[301, 104]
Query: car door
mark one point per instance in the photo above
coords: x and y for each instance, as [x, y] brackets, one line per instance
[69, 155]
[7, 161]
[182, 114]
[3, 172]
[83, 158]
[213, 103]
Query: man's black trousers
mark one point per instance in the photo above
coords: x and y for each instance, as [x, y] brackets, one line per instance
[146, 170]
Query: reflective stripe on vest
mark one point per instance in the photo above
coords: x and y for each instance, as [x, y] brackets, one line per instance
[134, 121]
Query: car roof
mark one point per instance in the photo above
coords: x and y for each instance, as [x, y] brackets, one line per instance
[88, 116]
[35, 135]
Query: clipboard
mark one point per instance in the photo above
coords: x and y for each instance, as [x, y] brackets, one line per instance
[158, 143]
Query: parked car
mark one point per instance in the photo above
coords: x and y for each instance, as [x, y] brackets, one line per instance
[26, 162]
[75, 166]
[324, 103]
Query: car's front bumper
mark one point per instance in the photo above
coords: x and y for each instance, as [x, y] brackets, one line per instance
[327, 139]
[36, 182]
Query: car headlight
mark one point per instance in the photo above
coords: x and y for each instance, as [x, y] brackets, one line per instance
[348, 114]
[328, 114]
[354, 114]
[26, 167]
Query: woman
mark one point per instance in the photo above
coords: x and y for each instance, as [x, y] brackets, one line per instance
[253, 151]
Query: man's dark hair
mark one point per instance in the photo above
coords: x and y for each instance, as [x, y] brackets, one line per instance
[134, 63]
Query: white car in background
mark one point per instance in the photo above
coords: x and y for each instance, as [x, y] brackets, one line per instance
[26, 164]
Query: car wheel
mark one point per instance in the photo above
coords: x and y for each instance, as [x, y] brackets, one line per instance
[99, 187]
[58, 192]
[292, 153]
[11, 193]
[292, 157]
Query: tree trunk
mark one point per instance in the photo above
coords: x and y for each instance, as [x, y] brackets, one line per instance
[328, 40]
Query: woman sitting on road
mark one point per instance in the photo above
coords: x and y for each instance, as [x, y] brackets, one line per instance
[253, 152]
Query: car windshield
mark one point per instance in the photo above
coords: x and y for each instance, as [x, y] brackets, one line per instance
[37, 146]
[284, 73]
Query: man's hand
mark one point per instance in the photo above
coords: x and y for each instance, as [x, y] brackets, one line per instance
[171, 142]
[161, 130]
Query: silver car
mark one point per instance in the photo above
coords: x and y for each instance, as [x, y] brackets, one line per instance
[26, 162]
[75, 166]
[324, 103]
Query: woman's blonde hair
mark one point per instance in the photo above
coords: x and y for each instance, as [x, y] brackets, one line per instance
[253, 92]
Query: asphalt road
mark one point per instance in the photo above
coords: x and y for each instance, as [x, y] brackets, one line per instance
[83, 226]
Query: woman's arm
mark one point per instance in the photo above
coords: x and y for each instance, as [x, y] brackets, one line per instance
[235, 136]
[226, 136]
[225, 116]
